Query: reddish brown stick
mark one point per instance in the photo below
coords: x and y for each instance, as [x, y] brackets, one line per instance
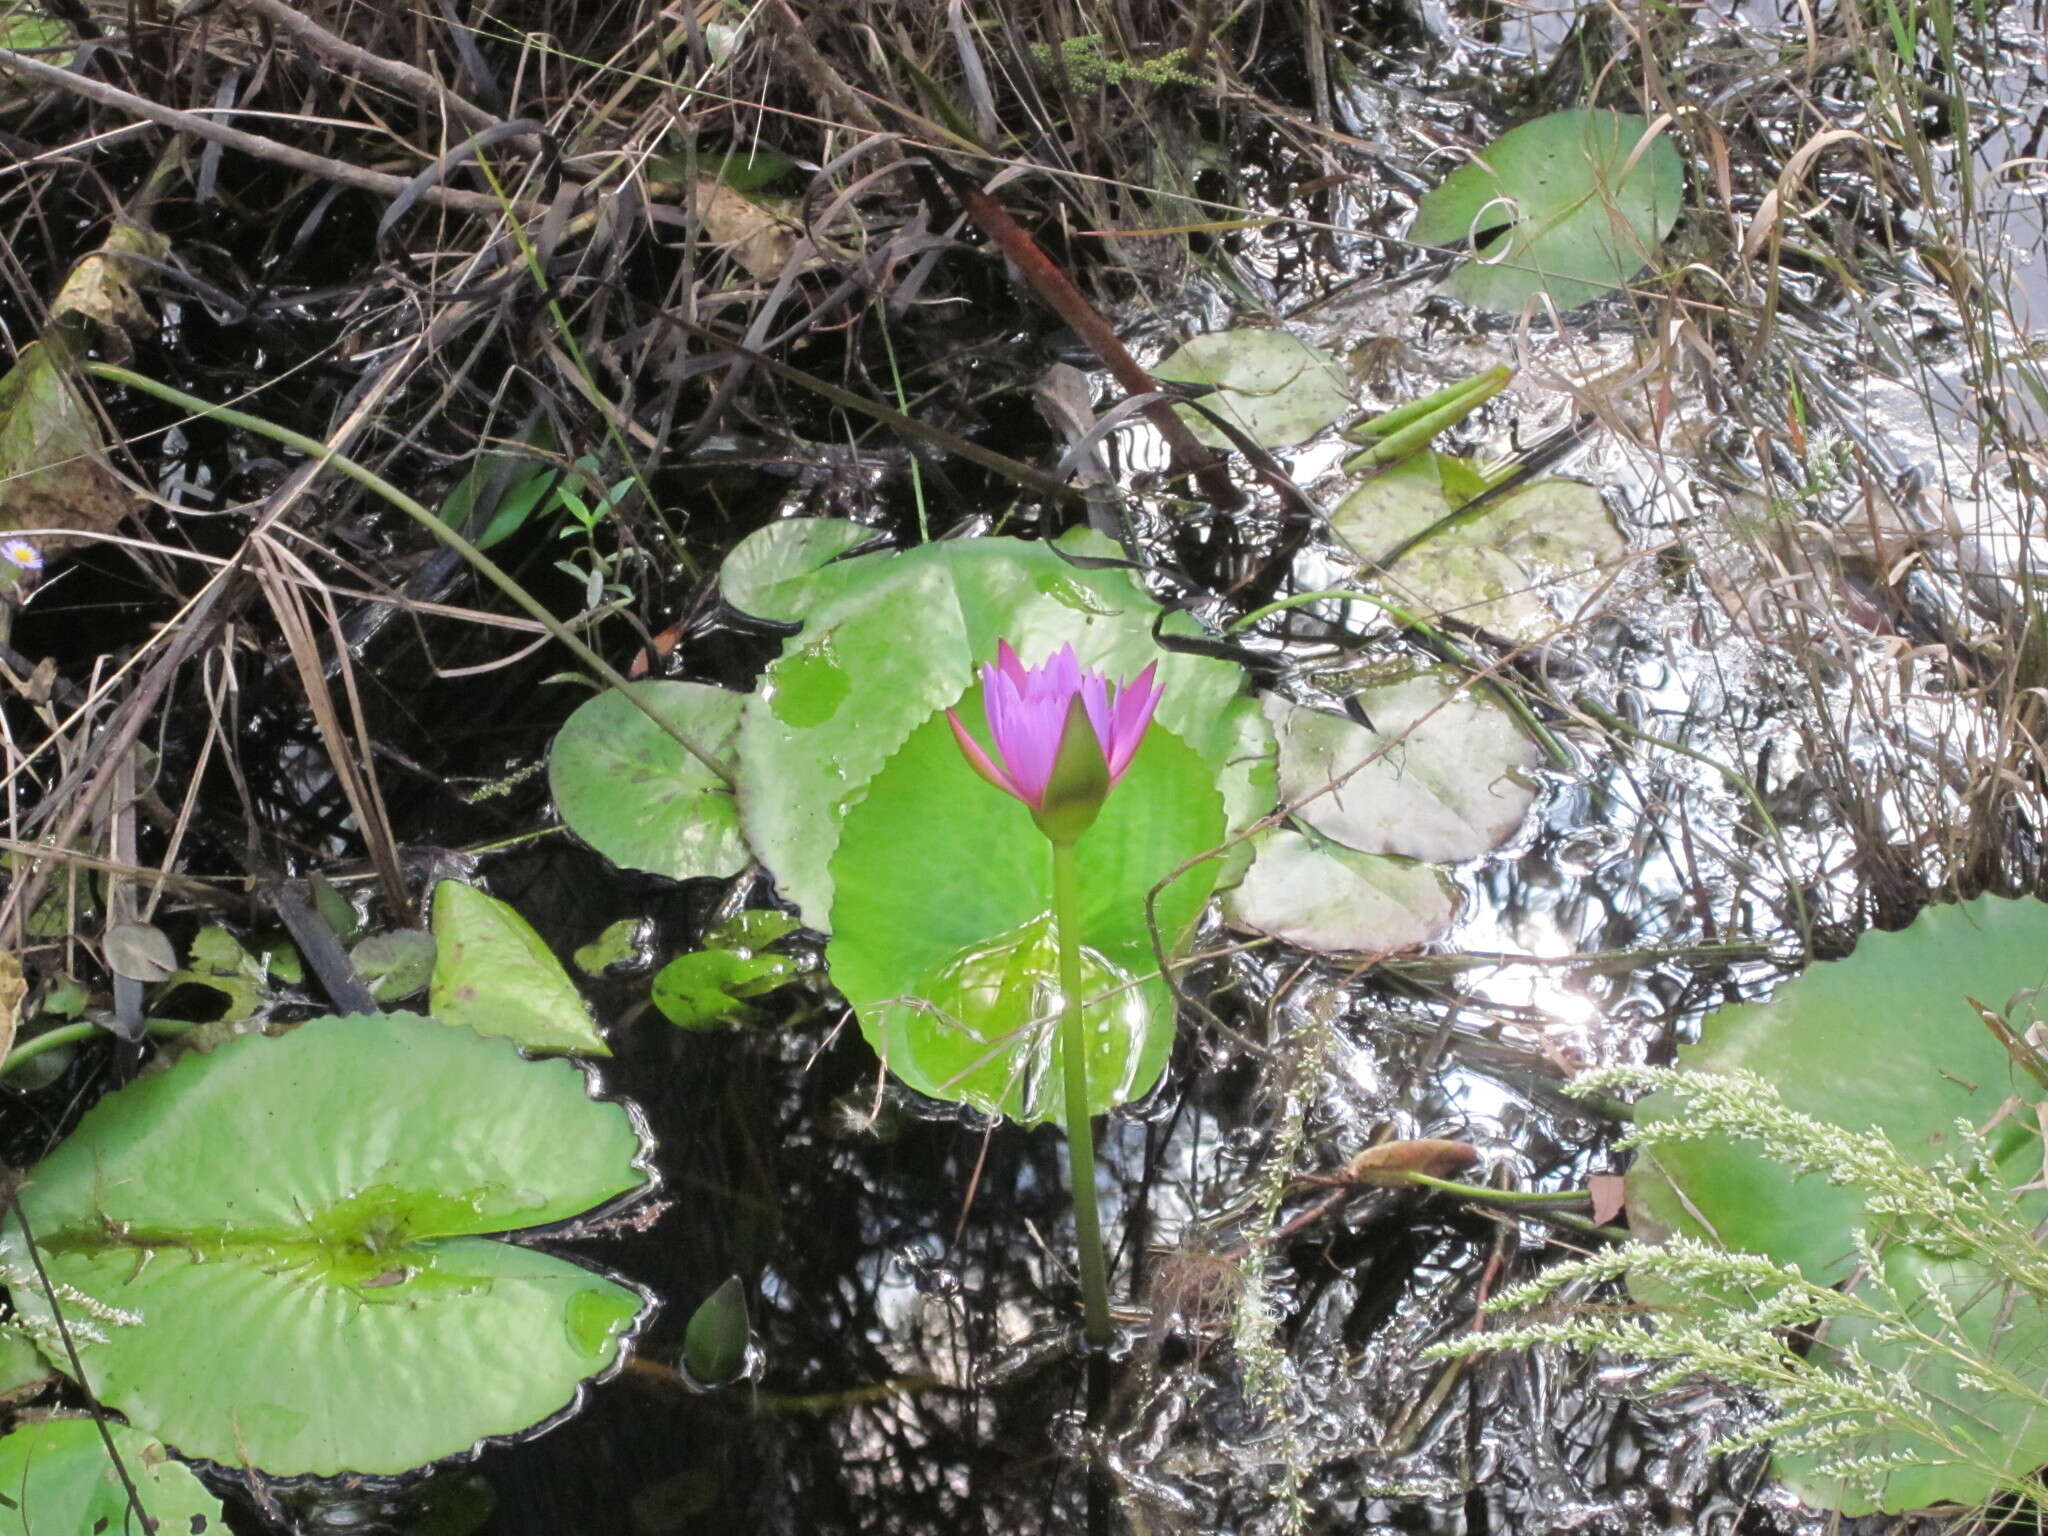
[1057, 290]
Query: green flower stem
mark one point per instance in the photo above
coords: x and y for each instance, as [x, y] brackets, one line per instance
[70, 1034]
[1066, 917]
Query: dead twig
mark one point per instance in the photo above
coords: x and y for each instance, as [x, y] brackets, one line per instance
[201, 126]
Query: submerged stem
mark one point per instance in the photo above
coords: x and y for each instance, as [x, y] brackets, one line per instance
[1066, 917]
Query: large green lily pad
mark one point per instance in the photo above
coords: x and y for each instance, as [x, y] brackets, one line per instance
[636, 795]
[56, 1477]
[1564, 206]
[900, 638]
[941, 933]
[295, 1232]
[1889, 1041]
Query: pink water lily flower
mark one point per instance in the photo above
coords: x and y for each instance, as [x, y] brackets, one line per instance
[1064, 733]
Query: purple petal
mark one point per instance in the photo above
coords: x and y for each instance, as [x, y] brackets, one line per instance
[1034, 745]
[978, 759]
[1095, 698]
[1134, 706]
[1008, 663]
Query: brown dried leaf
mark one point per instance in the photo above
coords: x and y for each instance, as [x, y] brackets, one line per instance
[53, 471]
[1392, 1161]
[1609, 1192]
[101, 288]
[752, 234]
[13, 988]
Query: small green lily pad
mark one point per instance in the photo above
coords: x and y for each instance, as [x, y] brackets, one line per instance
[1519, 568]
[636, 795]
[621, 945]
[711, 986]
[1443, 774]
[1323, 896]
[1271, 385]
[1899, 1008]
[768, 572]
[1564, 205]
[493, 973]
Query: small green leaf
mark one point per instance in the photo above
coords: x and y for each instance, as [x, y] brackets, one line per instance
[53, 454]
[56, 1477]
[715, 1343]
[336, 910]
[1271, 385]
[633, 792]
[1563, 205]
[285, 1243]
[66, 999]
[697, 991]
[25, 28]
[621, 944]
[493, 973]
[140, 952]
[215, 950]
[396, 964]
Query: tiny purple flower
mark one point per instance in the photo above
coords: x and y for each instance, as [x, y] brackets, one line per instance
[1030, 713]
[21, 554]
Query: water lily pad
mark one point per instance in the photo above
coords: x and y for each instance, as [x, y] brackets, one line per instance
[768, 572]
[493, 973]
[900, 638]
[1899, 1009]
[1271, 385]
[294, 1229]
[1443, 774]
[1523, 564]
[57, 1477]
[1310, 891]
[1564, 206]
[941, 934]
[632, 792]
